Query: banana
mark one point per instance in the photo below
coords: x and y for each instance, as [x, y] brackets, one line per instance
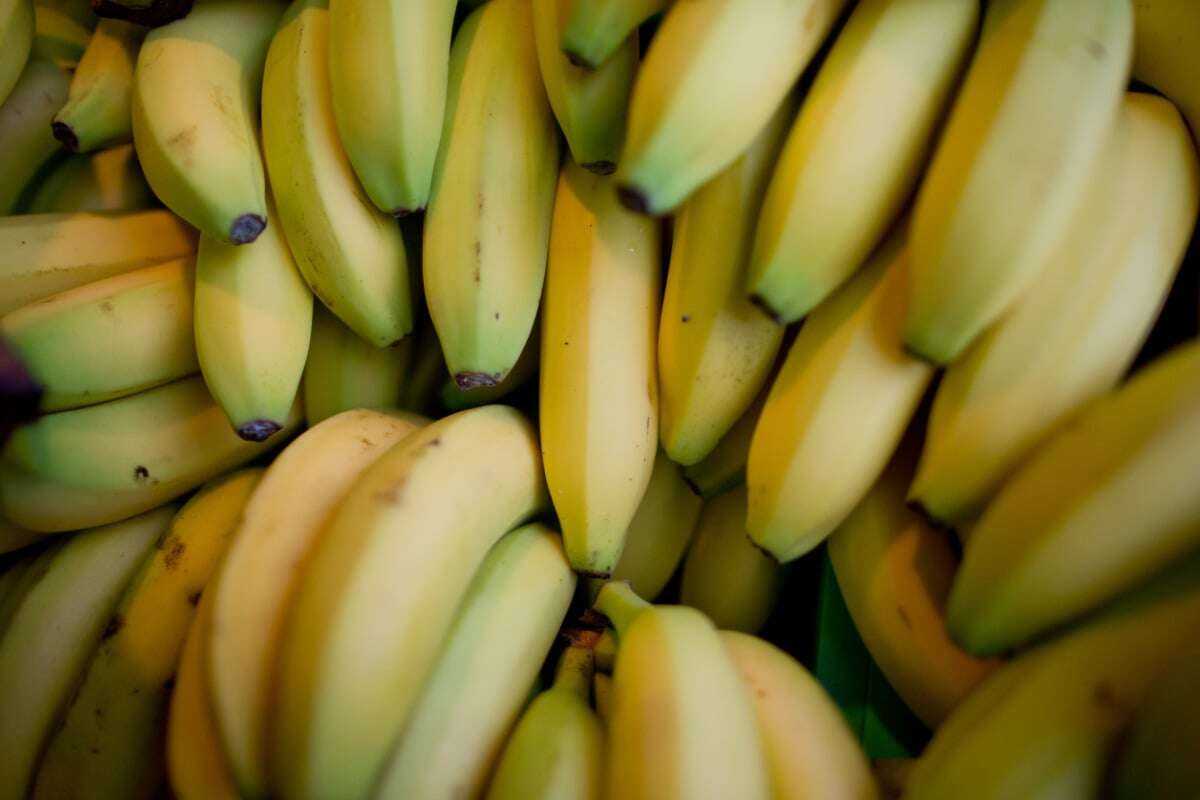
[724, 467]
[809, 749]
[605, 649]
[16, 36]
[715, 349]
[595, 30]
[837, 410]
[598, 387]
[426, 373]
[602, 697]
[108, 339]
[556, 752]
[44, 254]
[455, 398]
[505, 626]
[1044, 724]
[253, 319]
[726, 575]
[894, 572]
[682, 722]
[488, 224]
[95, 465]
[1081, 324]
[659, 533]
[14, 537]
[196, 765]
[1166, 35]
[1113, 485]
[350, 253]
[252, 591]
[151, 13]
[408, 537]
[343, 372]
[194, 112]
[61, 33]
[107, 180]
[23, 576]
[60, 621]
[1013, 162]
[98, 109]
[388, 66]
[590, 104]
[715, 73]
[25, 116]
[110, 741]
[840, 184]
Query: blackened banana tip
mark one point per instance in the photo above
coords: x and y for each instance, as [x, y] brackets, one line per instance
[259, 430]
[246, 228]
[633, 198]
[601, 167]
[475, 380]
[65, 135]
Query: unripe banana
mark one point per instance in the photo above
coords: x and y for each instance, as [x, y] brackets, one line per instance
[98, 109]
[596, 29]
[108, 180]
[25, 117]
[16, 36]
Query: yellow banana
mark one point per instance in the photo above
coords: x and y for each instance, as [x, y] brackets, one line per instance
[725, 465]
[98, 112]
[16, 34]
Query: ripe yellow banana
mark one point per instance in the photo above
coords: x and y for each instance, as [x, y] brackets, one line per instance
[836, 411]
[108, 339]
[253, 318]
[682, 722]
[505, 626]
[725, 465]
[590, 104]
[715, 349]
[810, 751]
[488, 224]
[841, 182]
[109, 743]
[1077, 330]
[94, 465]
[195, 106]
[253, 589]
[350, 253]
[556, 752]
[98, 111]
[715, 73]
[60, 620]
[725, 574]
[16, 35]
[599, 393]
[596, 29]
[44, 254]
[25, 116]
[1013, 163]
[107, 180]
[1166, 37]
[408, 537]
[388, 67]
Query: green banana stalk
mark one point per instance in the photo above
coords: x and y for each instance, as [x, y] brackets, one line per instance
[715, 73]
[25, 117]
[109, 744]
[725, 465]
[16, 36]
[98, 109]
[596, 29]
[388, 66]
[107, 180]
[488, 226]
[108, 339]
[350, 253]
[195, 110]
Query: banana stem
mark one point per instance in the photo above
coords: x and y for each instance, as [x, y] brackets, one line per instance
[620, 604]
[574, 672]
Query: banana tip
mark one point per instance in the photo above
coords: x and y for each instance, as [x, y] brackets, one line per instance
[475, 380]
[65, 135]
[760, 302]
[258, 430]
[577, 59]
[601, 167]
[633, 198]
[246, 228]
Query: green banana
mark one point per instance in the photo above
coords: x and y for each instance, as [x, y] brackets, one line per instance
[25, 116]
[1077, 330]
[253, 319]
[44, 254]
[1043, 725]
[109, 743]
[107, 180]
[726, 575]
[60, 621]
[108, 339]
[1026, 129]
[809, 749]
[598, 387]
[252, 591]
[595, 29]
[16, 36]
[840, 184]
[350, 253]
[505, 626]
[719, 54]
[388, 66]
[1100, 506]
[589, 104]
[556, 751]
[408, 536]
[725, 465]
[715, 349]
[455, 398]
[195, 103]
[682, 722]
[98, 112]
[94, 465]
[488, 225]
[836, 411]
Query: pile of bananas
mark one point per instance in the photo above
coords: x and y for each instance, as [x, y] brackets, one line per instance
[895, 288]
